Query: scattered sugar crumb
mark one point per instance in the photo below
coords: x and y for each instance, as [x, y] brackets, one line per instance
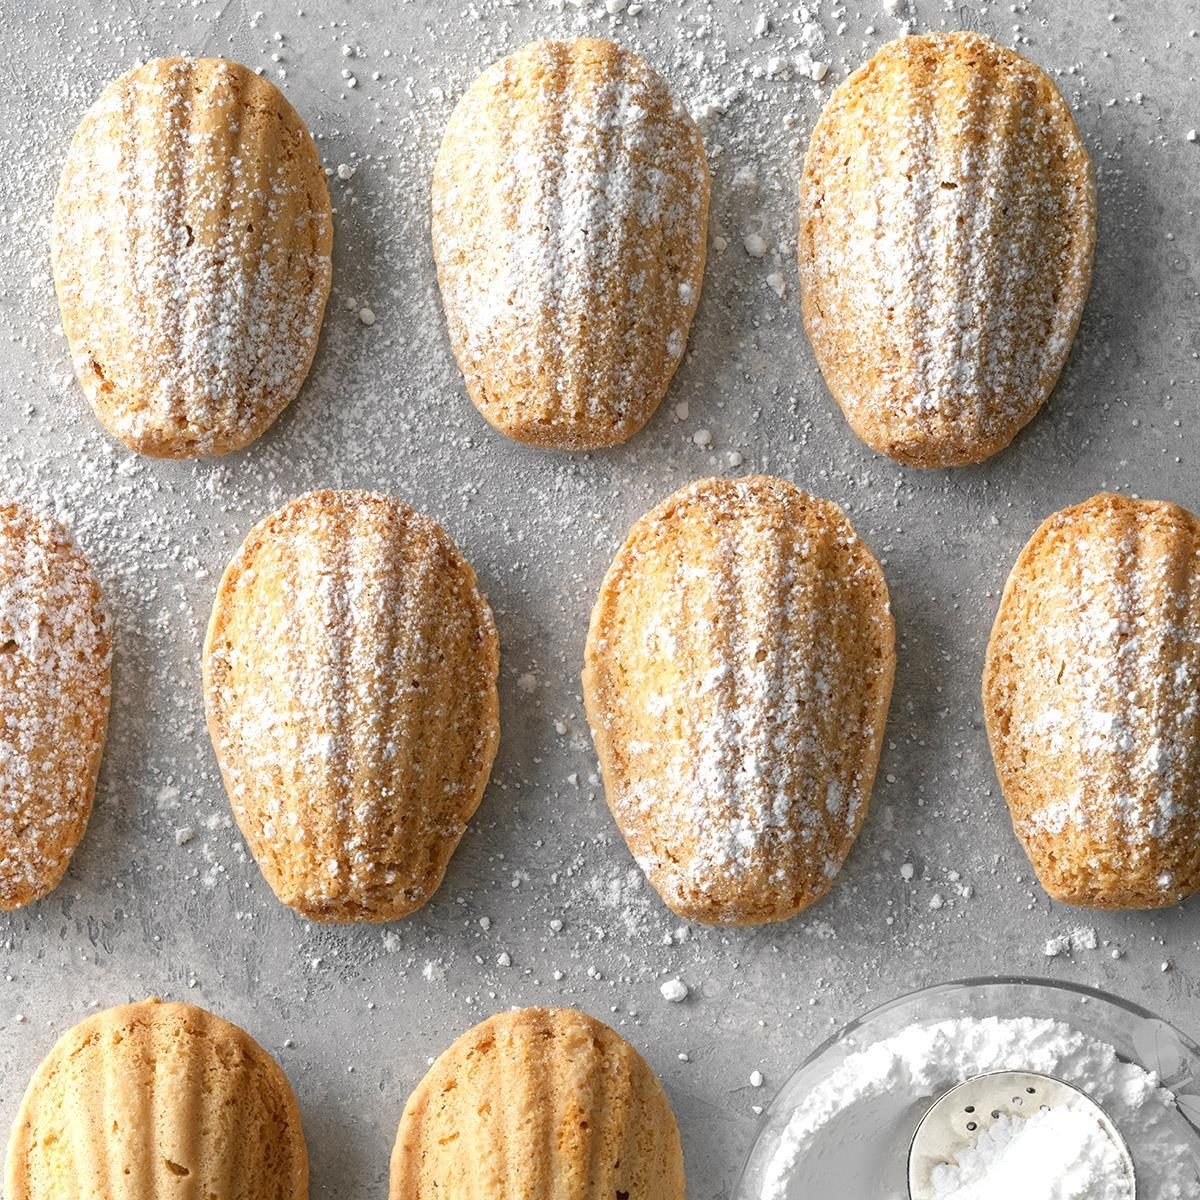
[674, 991]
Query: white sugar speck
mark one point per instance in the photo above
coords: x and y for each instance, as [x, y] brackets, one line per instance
[674, 991]
[755, 245]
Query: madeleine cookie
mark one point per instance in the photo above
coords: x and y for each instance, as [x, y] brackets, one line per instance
[1092, 699]
[570, 210]
[152, 1100]
[947, 224]
[738, 673]
[539, 1104]
[55, 665]
[191, 243]
[350, 682]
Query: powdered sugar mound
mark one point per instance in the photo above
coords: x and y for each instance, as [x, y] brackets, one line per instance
[922, 1062]
[1055, 1154]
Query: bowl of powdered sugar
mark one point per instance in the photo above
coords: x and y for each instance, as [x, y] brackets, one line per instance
[843, 1124]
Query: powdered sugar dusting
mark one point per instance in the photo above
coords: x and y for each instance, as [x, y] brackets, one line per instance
[55, 652]
[384, 409]
[740, 668]
[570, 205]
[1096, 683]
[948, 220]
[349, 676]
[191, 253]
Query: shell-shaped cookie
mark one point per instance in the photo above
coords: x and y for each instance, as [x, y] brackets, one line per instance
[570, 212]
[55, 663]
[947, 226]
[738, 674]
[536, 1105]
[151, 1100]
[1092, 697]
[350, 682]
[191, 252]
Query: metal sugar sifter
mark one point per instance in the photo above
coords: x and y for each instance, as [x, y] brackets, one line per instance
[965, 1112]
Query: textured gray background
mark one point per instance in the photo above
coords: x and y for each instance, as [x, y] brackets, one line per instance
[356, 1014]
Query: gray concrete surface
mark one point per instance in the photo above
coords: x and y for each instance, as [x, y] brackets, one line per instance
[355, 1014]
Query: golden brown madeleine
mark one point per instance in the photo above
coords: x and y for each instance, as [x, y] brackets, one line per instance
[570, 215]
[191, 251]
[55, 666]
[947, 224]
[350, 682]
[738, 673]
[152, 1100]
[540, 1104]
[1092, 699]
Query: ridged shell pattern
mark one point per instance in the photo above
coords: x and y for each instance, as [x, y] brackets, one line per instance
[1092, 695]
[350, 681]
[55, 663]
[191, 249]
[149, 1101]
[570, 209]
[738, 673]
[540, 1104]
[947, 227]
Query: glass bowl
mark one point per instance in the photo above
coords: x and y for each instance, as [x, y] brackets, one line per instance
[869, 1153]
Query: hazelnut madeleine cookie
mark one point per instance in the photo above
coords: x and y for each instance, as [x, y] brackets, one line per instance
[1092, 697]
[738, 673]
[151, 1100]
[55, 690]
[947, 229]
[538, 1104]
[191, 253]
[350, 683]
[570, 210]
